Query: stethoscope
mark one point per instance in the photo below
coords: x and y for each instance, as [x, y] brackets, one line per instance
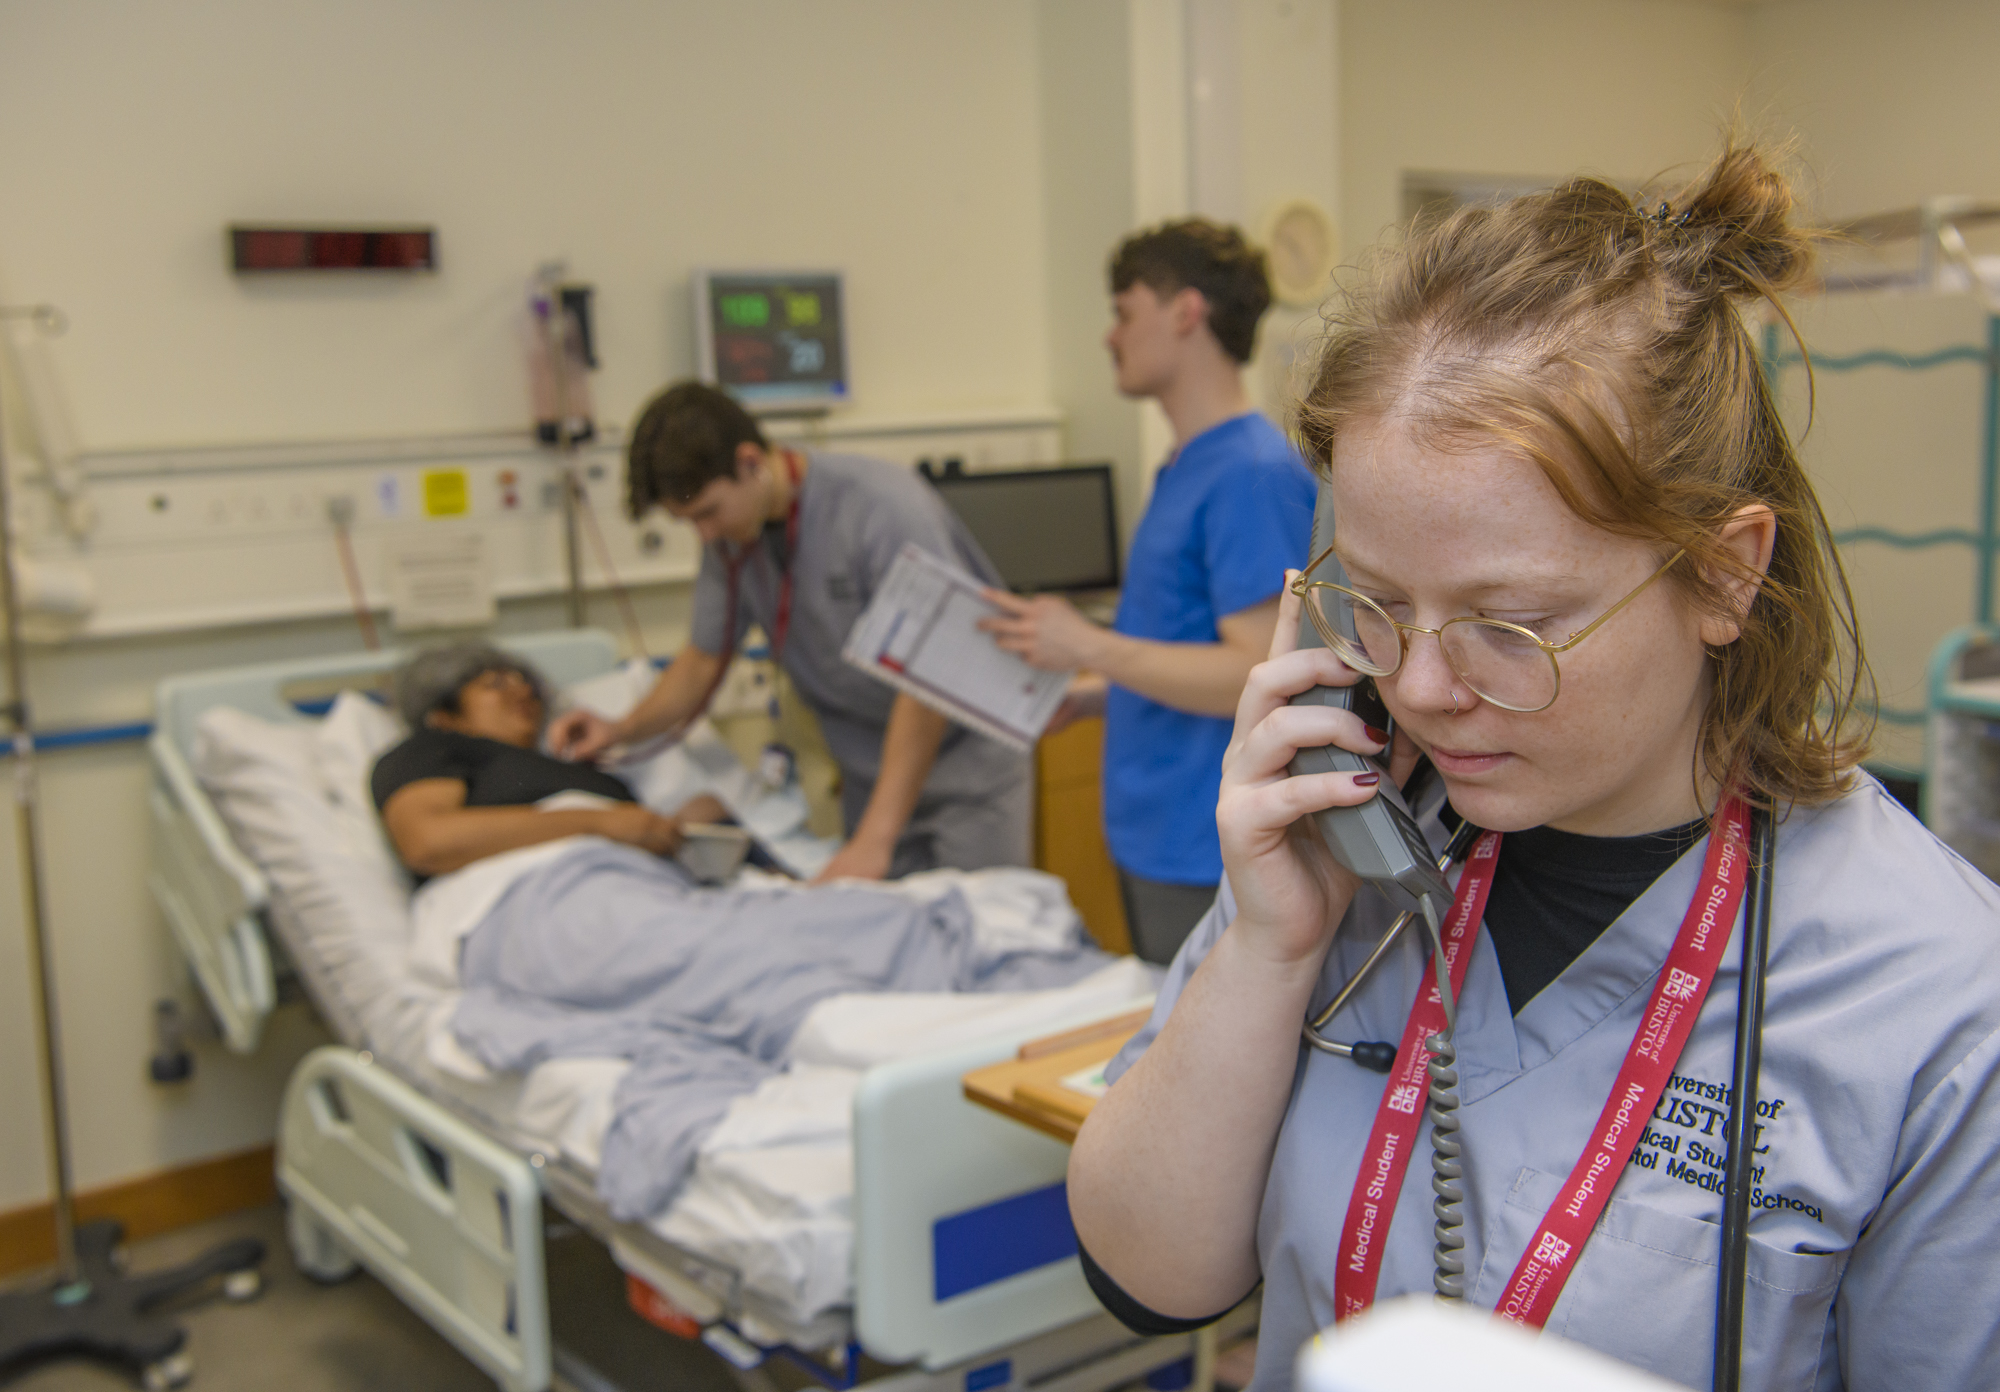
[1380, 1056]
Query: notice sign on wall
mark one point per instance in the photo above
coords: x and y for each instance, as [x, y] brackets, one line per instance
[439, 578]
[446, 493]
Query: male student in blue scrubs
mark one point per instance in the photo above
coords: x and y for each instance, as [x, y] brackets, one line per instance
[1231, 509]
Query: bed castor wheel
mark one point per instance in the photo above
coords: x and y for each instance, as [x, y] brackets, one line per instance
[175, 1370]
[318, 1256]
[239, 1287]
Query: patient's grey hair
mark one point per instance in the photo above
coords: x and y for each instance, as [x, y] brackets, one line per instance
[432, 679]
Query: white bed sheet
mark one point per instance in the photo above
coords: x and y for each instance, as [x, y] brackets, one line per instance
[771, 1192]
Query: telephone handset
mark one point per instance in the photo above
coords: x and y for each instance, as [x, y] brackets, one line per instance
[1377, 840]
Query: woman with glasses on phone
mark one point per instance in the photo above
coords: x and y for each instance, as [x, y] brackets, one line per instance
[1582, 565]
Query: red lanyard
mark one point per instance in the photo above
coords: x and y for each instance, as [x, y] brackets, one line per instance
[1663, 1032]
[782, 624]
[1400, 1117]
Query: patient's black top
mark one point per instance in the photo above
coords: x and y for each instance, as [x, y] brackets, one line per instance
[494, 774]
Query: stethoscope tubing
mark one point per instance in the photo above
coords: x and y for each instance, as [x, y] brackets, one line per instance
[1739, 1128]
[1376, 1054]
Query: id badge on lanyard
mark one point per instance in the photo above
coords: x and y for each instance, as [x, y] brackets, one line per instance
[1663, 1031]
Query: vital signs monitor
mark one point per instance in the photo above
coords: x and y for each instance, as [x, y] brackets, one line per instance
[775, 340]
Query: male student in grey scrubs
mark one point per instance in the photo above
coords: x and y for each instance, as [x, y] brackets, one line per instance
[796, 543]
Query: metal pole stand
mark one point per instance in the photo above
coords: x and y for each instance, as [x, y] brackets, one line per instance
[91, 1307]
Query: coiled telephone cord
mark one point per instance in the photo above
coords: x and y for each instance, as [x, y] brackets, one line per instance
[1447, 1154]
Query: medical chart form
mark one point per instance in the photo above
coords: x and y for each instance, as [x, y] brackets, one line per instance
[920, 634]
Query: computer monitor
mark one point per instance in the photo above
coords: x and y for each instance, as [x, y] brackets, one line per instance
[775, 340]
[1045, 529]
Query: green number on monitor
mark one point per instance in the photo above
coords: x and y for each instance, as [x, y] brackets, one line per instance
[746, 311]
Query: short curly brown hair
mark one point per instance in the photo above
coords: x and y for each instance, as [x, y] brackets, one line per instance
[1196, 254]
[685, 439]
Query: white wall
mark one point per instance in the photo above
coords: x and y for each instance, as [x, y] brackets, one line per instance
[897, 139]
[893, 138]
[1088, 192]
[1292, 117]
[1620, 88]
[1141, 123]
[1893, 104]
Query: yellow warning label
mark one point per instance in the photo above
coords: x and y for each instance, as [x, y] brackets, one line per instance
[446, 493]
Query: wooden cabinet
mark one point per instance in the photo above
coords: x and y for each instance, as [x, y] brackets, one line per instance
[1069, 829]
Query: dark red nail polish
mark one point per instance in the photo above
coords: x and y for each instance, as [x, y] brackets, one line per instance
[1367, 780]
[1379, 736]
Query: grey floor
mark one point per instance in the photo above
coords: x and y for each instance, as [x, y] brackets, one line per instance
[356, 1337]
[298, 1336]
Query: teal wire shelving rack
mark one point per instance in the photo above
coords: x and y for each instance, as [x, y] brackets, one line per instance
[1960, 797]
[1985, 541]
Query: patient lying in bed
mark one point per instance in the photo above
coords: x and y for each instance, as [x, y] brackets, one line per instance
[569, 935]
[470, 781]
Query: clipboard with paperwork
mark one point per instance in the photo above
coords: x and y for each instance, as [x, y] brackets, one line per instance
[920, 634]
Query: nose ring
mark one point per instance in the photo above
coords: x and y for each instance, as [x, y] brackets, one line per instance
[1454, 700]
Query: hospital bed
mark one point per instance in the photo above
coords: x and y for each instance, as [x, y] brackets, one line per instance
[962, 1259]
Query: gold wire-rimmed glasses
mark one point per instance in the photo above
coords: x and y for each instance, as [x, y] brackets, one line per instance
[1503, 663]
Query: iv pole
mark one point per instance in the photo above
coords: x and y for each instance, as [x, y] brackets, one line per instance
[555, 338]
[55, 1118]
[94, 1307]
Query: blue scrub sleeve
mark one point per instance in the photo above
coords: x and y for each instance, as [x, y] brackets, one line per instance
[1251, 531]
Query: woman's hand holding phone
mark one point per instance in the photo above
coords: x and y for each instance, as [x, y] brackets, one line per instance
[1290, 893]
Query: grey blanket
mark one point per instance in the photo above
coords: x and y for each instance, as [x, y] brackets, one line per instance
[609, 952]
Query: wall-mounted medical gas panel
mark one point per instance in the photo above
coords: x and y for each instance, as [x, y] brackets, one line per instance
[202, 539]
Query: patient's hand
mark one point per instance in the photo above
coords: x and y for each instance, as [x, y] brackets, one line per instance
[701, 809]
[639, 826]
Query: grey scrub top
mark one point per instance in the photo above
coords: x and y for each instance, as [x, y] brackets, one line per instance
[1875, 1237]
[855, 513]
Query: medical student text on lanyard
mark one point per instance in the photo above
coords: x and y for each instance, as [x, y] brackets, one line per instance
[1663, 1031]
[782, 624]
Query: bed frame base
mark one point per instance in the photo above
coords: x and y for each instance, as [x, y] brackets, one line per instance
[380, 1176]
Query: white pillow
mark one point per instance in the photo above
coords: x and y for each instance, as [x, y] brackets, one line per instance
[662, 776]
[614, 693]
[355, 733]
[343, 916]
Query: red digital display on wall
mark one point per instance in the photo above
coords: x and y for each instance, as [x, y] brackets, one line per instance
[333, 249]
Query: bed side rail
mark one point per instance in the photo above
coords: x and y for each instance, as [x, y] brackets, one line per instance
[962, 1236]
[212, 896]
[445, 1216]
